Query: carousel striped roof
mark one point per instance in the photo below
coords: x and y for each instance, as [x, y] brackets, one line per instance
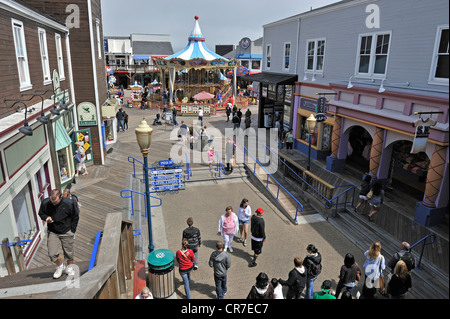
[196, 48]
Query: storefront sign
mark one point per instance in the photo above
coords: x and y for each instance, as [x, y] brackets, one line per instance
[421, 137]
[87, 115]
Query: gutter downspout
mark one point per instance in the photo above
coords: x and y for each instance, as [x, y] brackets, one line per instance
[94, 71]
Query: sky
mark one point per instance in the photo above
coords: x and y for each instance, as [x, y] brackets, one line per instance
[221, 22]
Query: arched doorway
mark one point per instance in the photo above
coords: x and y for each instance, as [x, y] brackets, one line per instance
[358, 148]
[409, 171]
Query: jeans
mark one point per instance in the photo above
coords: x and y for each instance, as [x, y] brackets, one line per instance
[120, 125]
[310, 287]
[186, 277]
[221, 286]
[175, 120]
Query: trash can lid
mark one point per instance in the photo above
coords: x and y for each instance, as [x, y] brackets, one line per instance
[160, 257]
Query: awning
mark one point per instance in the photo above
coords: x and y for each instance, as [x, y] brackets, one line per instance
[271, 78]
[249, 56]
[62, 139]
[141, 57]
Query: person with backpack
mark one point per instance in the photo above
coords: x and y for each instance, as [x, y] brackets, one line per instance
[405, 255]
[192, 234]
[296, 281]
[313, 264]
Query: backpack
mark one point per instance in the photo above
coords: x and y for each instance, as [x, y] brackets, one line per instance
[316, 269]
[408, 259]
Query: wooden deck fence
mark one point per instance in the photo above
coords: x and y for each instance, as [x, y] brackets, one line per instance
[114, 266]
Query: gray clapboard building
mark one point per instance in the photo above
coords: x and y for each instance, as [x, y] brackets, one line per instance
[383, 67]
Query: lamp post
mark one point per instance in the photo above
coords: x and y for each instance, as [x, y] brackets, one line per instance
[144, 139]
[310, 125]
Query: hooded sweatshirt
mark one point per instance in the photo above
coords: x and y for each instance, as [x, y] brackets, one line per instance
[296, 280]
[221, 262]
[261, 293]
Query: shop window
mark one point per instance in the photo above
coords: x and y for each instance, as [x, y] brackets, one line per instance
[66, 169]
[42, 182]
[256, 65]
[304, 134]
[245, 63]
[24, 214]
[286, 56]
[326, 130]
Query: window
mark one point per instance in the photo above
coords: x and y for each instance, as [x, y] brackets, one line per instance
[373, 54]
[21, 55]
[268, 54]
[44, 56]
[439, 71]
[286, 56]
[59, 57]
[24, 213]
[315, 55]
[99, 43]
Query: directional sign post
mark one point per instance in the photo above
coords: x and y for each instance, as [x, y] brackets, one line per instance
[166, 177]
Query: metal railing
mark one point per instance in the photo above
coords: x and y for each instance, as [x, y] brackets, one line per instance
[188, 167]
[299, 207]
[329, 190]
[425, 243]
[132, 200]
[219, 165]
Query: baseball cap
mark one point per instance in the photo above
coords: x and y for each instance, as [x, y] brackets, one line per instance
[260, 211]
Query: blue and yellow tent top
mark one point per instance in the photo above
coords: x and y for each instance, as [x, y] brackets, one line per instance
[196, 54]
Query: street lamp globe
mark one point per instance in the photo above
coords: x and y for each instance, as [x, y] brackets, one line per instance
[311, 124]
[144, 137]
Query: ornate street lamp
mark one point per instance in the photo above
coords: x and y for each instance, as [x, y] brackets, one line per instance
[310, 125]
[144, 140]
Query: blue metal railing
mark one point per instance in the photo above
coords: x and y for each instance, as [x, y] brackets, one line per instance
[299, 207]
[95, 250]
[425, 243]
[132, 160]
[328, 202]
[219, 165]
[18, 243]
[188, 167]
[132, 201]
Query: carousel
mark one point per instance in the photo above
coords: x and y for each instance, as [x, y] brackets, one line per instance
[196, 76]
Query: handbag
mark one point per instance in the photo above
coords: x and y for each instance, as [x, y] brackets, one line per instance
[382, 283]
[369, 194]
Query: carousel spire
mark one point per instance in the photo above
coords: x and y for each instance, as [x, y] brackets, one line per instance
[196, 34]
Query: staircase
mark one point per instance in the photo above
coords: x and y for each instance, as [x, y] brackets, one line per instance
[429, 282]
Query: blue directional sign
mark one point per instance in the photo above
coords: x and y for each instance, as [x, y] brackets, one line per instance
[167, 187]
[168, 176]
[165, 163]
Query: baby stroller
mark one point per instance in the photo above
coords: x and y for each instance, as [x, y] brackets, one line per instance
[157, 120]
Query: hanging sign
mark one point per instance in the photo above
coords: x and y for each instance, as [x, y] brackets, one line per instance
[87, 115]
[421, 136]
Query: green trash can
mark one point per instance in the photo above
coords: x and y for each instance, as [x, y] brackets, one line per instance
[160, 273]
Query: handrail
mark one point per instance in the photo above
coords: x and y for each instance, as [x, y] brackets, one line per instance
[95, 250]
[329, 202]
[132, 201]
[132, 162]
[279, 185]
[423, 246]
[188, 167]
[219, 164]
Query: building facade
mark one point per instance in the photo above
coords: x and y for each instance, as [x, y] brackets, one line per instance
[36, 121]
[385, 83]
[84, 19]
[130, 58]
